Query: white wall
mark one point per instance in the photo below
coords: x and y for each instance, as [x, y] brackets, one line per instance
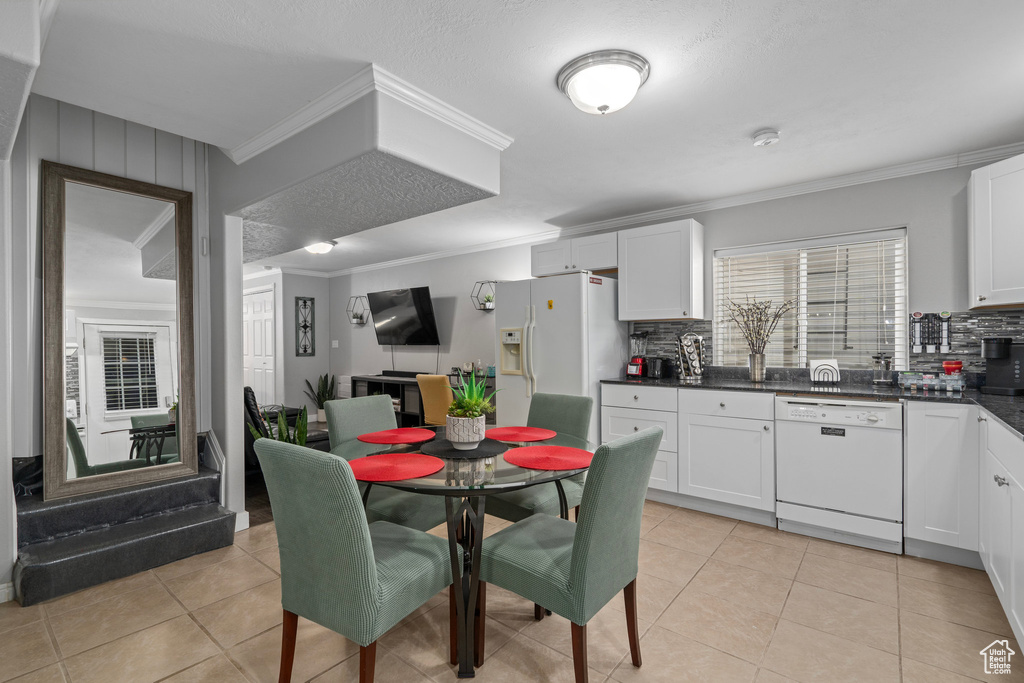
[466, 333]
[297, 369]
[8, 531]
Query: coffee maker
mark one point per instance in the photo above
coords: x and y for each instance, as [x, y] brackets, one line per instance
[1003, 360]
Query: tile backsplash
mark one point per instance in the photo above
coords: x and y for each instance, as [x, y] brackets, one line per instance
[966, 332]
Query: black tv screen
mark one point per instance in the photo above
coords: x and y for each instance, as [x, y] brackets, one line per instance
[404, 317]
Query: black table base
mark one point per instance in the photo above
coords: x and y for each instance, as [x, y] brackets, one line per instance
[465, 541]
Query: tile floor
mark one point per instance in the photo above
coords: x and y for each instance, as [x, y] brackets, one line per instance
[719, 601]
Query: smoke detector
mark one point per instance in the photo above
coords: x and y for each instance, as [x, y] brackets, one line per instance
[766, 137]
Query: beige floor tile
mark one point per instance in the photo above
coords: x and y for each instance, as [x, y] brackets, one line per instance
[851, 579]
[771, 559]
[949, 574]
[958, 605]
[145, 656]
[607, 637]
[658, 510]
[809, 656]
[949, 646]
[702, 519]
[916, 672]
[48, 674]
[653, 595]
[739, 631]
[219, 581]
[524, 659]
[511, 610]
[687, 537]
[423, 642]
[270, 557]
[862, 621]
[671, 658]
[257, 537]
[25, 649]
[743, 586]
[86, 627]
[439, 599]
[100, 592]
[766, 676]
[669, 564]
[13, 615]
[217, 669]
[196, 562]
[767, 534]
[387, 667]
[493, 527]
[648, 522]
[242, 616]
[852, 554]
[317, 649]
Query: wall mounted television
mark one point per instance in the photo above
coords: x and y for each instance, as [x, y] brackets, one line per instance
[404, 317]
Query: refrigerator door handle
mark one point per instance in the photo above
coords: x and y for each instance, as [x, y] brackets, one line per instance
[526, 352]
[533, 334]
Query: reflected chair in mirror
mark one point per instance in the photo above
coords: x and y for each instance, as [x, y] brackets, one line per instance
[347, 419]
[435, 397]
[574, 570]
[354, 578]
[155, 439]
[76, 451]
[570, 417]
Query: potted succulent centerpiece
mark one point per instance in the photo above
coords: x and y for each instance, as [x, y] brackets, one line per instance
[464, 424]
[323, 393]
[757, 321]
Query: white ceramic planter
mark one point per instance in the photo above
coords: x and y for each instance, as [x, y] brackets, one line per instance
[321, 415]
[465, 433]
[172, 415]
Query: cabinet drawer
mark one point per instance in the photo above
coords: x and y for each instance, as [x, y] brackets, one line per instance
[743, 404]
[1006, 446]
[665, 473]
[619, 422]
[644, 398]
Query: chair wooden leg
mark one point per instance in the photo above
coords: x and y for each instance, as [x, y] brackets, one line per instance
[480, 619]
[577, 511]
[367, 661]
[291, 625]
[538, 612]
[634, 636]
[453, 626]
[579, 651]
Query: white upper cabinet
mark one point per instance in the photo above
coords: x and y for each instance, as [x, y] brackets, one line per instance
[661, 271]
[593, 252]
[997, 234]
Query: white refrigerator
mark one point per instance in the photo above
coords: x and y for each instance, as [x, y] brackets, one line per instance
[557, 335]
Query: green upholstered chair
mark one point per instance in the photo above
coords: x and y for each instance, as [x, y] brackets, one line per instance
[354, 578]
[170, 446]
[570, 417]
[346, 420]
[575, 569]
[82, 467]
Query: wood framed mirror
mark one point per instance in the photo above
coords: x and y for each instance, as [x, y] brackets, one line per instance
[118, 344]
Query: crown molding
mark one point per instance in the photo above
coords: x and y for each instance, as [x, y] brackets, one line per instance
[302, 271]
[121, 305]
[262, 273]
[154, 227]
[367, 80]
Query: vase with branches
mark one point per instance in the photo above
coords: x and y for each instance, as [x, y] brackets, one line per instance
[757, 321]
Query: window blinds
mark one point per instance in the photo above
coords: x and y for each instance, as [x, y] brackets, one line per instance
[850, 300]
[129, 373]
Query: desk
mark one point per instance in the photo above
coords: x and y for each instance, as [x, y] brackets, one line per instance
[465, 484]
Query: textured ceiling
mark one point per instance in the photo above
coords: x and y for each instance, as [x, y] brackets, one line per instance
[853, 86]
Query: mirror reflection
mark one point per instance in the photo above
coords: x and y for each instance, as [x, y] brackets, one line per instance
[120, 314]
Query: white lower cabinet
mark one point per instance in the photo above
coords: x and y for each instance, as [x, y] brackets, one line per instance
[617, 421]
[941, 483]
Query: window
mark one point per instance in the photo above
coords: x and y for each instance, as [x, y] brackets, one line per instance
[850, 295]
[129, 373]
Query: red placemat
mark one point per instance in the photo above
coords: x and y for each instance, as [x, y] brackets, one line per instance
[549, 457]
[519, 434]
[394, 466]
[396, 436]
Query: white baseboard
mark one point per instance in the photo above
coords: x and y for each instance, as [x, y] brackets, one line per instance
[241, 521]
[6, 592]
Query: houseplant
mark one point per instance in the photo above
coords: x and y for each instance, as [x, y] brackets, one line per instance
[323, 393]
[284, 432]
[757, 321]
[464, 424]
[488, 301]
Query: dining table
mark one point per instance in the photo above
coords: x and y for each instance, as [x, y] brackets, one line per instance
[466, 479]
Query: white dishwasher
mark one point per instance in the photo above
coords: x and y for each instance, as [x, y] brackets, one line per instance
[839, 470]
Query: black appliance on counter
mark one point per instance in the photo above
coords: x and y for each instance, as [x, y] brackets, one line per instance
[1003, 360]
[660, 368]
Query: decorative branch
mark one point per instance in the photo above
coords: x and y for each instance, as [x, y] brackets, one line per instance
[757, 320]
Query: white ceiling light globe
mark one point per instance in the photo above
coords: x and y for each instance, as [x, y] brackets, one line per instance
[321, 247]
[603, 82]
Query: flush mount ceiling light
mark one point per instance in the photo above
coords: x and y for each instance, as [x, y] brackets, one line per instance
[604, 81]
[766, 137]
[321, 247]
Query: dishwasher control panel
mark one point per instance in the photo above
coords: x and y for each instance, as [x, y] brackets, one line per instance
[862, 414]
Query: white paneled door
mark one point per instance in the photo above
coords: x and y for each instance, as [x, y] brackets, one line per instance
[258, 335]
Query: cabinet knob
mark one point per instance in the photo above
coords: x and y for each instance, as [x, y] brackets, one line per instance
[982, 419]
[767, 428]
[635, 397]
[684, 314]
[636, 429]
[574, 265]
[721, 405]
[981, 298]
[567, 267]
[1000, 481]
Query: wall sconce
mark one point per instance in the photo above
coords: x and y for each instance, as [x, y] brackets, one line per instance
[358, 310]
[483, 295]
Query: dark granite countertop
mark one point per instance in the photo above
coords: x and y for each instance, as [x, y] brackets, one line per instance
[1009, 410]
